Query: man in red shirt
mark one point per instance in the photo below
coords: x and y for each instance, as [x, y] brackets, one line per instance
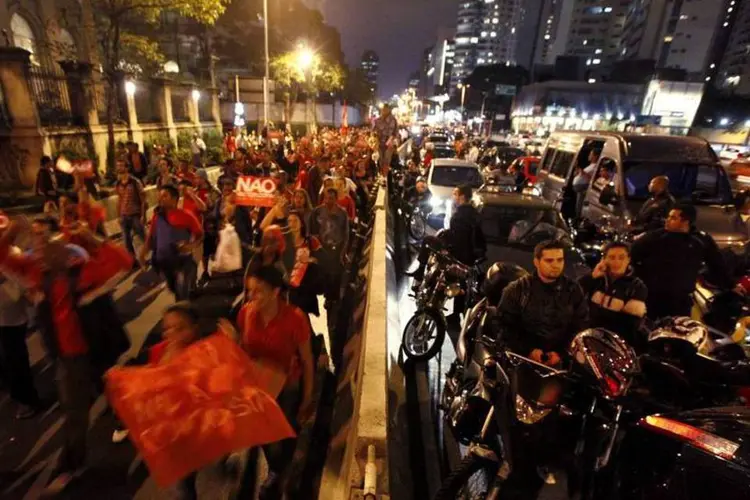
[173, 235]
[64, 279]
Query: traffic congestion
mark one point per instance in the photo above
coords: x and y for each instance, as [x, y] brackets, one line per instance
[577, 312]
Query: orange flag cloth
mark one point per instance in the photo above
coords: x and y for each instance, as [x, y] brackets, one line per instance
[198, 407]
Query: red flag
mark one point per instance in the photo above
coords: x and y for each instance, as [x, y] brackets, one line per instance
[196, 408]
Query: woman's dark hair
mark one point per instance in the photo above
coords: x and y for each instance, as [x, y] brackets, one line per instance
[301, 217]
[186, 309]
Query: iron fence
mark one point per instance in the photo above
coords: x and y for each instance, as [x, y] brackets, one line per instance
[180, 96]
[119, 110]
[52, 98]
[205, 106]
[5, 120]
[147, 103]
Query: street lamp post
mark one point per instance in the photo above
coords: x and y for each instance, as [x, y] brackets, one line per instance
[305, 61]
[463, 88]
[266, 77]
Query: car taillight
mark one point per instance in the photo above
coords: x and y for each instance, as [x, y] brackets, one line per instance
[696, 437]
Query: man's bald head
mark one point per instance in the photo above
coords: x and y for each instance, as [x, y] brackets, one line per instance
[659, 185]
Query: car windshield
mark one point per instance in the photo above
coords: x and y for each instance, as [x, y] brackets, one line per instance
[443, 153]
[437, 138]
[707, 184]
[455, 176]
[520, 225]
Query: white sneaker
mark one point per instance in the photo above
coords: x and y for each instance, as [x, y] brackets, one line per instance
[547, 476]
[120, 435]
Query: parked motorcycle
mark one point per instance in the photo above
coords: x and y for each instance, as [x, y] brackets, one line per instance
[445, 278]
[501, 395]
[416, 221]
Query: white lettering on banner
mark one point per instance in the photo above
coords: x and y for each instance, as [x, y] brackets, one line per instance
[261, 185]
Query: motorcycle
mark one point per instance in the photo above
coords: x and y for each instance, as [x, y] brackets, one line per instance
[445, 278]
[416, 221]
[499, 398]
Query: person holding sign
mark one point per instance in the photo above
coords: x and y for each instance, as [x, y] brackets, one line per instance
[277, 334]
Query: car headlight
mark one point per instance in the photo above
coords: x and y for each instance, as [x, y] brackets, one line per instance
[437, 202]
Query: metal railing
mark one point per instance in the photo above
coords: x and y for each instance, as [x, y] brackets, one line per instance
[51, 95]
[5, 119]
[147, 103]
[205, 113]
[180, 103]
[119, 111]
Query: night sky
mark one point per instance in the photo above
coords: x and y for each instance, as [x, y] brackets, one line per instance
[398, 30]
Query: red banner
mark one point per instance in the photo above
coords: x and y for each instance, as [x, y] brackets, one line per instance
[205, 403]
[255, 191]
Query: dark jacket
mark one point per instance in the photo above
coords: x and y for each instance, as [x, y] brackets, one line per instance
[315, 182]
[538, 315]
[465, 237]
[669, 263]
[654, 211]
[422, 200]
[618, 306]
[46, 183]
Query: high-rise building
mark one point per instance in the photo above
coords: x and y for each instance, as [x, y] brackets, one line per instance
[734, 70]
[679, 34]
[370, 65]
[486, 33]
[552, 33]
[595, 33]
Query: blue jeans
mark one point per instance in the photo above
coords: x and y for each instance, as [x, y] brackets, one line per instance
[130, 224]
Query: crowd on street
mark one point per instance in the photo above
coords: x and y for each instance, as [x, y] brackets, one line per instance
[58, 269]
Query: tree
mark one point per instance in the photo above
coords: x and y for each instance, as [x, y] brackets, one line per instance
[127, 32]
[320, 75]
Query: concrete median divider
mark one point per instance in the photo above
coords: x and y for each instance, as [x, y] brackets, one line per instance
[356, 462]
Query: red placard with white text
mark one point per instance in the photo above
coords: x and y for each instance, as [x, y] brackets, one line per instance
[207, 402]
[254, 191]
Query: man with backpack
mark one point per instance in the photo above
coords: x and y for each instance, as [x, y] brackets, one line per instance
[131, 206]
[173, 235]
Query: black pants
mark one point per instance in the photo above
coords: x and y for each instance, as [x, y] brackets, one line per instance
[424, 254]
[15, 356]
[180, 276]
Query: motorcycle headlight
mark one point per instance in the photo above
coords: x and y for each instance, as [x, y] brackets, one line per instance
[436, 202]
[453, 291]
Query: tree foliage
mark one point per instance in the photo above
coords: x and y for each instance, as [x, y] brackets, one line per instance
[321, 76]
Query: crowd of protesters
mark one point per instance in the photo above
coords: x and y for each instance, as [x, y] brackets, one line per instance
[290, 254]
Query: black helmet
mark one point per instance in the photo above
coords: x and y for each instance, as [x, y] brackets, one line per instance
[498, 276]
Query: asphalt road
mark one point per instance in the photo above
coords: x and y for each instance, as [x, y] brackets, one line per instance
[421, 449]
[29, 448]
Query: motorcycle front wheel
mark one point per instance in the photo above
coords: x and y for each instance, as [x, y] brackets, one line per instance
[471, 480]
[423, 336]
[417, 226]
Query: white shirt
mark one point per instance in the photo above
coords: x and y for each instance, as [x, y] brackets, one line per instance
[197, 146]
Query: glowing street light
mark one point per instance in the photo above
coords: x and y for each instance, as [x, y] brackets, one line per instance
[463, 88]
[305, 57]
[130, 88]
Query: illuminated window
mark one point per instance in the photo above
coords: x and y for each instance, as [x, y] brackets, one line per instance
[596, 61]
[546, 37]
[668, 39]
[474, 39]
[598, 51]
[493, 34]
[484, 34]
[607, 9]
[684, 17]
[495, 20]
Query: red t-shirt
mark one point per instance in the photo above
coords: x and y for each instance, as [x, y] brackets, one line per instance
[348, 205]
[189, 205]
[278, 342]
[104, 263]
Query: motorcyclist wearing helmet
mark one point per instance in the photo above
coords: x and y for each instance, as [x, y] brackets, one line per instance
[617, 298]
[540, 314]
[420, 196]
[669, 260]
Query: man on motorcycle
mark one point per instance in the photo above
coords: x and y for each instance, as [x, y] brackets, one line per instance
[617, 298]
[420, 196]
[668, 261]
[655, 210]
[541, 313]
[464, 239]
[411, 175]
